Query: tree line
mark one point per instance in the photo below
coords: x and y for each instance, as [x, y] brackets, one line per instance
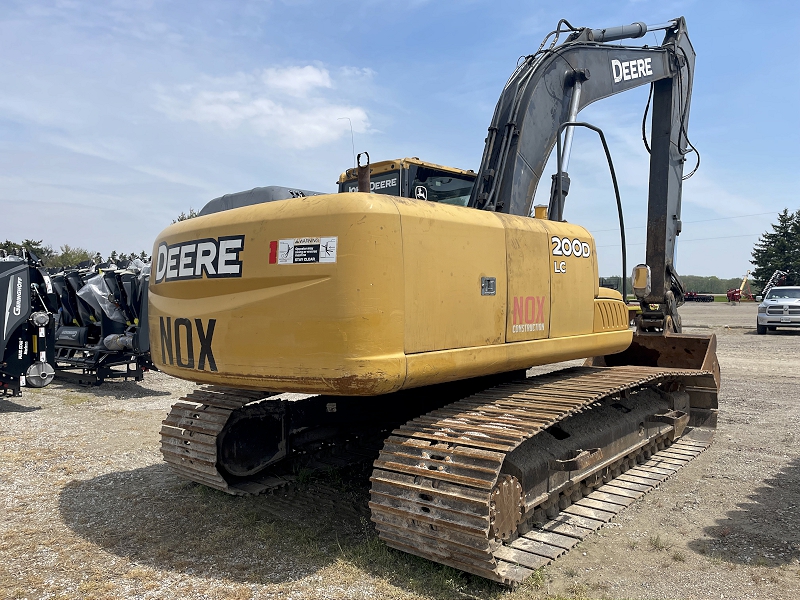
[692, 283]
[68, 256]
[776, 250]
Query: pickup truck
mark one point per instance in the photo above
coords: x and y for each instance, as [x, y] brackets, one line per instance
[780, 308]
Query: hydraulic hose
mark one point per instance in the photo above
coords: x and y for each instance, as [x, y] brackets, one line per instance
[616, 192]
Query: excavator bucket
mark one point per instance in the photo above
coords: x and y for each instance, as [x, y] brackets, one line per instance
[680, 351]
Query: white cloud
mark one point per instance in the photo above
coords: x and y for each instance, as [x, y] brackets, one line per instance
[297, 107]
[297, 81]
[714, 190]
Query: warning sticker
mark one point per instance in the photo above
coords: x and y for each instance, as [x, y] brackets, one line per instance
[307, 250]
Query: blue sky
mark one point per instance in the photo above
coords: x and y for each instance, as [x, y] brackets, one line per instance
[117, 116]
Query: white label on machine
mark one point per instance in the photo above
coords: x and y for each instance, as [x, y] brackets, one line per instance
[307, 250]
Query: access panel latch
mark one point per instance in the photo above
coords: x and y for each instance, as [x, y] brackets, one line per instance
[488, 286]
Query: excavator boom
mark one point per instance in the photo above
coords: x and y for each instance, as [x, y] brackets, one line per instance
[549, 89]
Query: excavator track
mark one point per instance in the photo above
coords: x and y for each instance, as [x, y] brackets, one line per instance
[189, 436]
[191, 432]
[439, 490]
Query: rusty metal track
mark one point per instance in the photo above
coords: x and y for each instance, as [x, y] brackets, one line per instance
[189, 437]
[547, 542]
[438, 492]
[191, 430]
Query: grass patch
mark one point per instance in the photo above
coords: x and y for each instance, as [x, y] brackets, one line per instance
[578, 591]
[678, 556]
[656, 543]
[75, 399]
[535, 581]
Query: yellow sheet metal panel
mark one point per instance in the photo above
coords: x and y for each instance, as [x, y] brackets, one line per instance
[303, 294]
[527, 257]
[610, 315]
[364, 294]
[447, 250]
[573, 279]
[452, 365]
[609, 293]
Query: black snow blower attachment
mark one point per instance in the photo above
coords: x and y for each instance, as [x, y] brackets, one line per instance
[102, 322]
[29, 310]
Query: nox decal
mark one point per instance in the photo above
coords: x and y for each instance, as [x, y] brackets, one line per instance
[528, 314]
[180, 346]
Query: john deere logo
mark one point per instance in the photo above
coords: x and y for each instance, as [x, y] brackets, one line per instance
[192, 260]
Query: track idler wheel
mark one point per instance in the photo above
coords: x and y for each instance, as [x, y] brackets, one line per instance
[506, 508]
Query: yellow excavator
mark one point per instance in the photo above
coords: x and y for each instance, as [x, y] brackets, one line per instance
[408, 324]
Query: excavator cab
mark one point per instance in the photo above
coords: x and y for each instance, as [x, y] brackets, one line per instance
[414, 178]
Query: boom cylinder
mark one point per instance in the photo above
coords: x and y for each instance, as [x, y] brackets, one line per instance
[574, 103]
[624, 32]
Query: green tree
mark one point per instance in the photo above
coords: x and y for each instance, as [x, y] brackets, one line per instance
[184, 217]
[778, 249]
[70, 257]
[9, 246]
[710, 284]
[45, 253]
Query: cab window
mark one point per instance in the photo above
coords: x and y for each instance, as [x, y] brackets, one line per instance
[439, 186]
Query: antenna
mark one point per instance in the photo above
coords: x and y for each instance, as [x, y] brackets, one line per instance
[352, 142]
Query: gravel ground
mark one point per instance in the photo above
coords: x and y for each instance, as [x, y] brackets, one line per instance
[90, 511]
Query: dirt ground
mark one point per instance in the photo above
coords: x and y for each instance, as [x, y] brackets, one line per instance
[88, 509]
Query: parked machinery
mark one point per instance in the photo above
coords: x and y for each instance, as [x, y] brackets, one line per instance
[81, 324]
[412, 323]
[736, 294]
[102, 328]
[698, 297]
[29, 311]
